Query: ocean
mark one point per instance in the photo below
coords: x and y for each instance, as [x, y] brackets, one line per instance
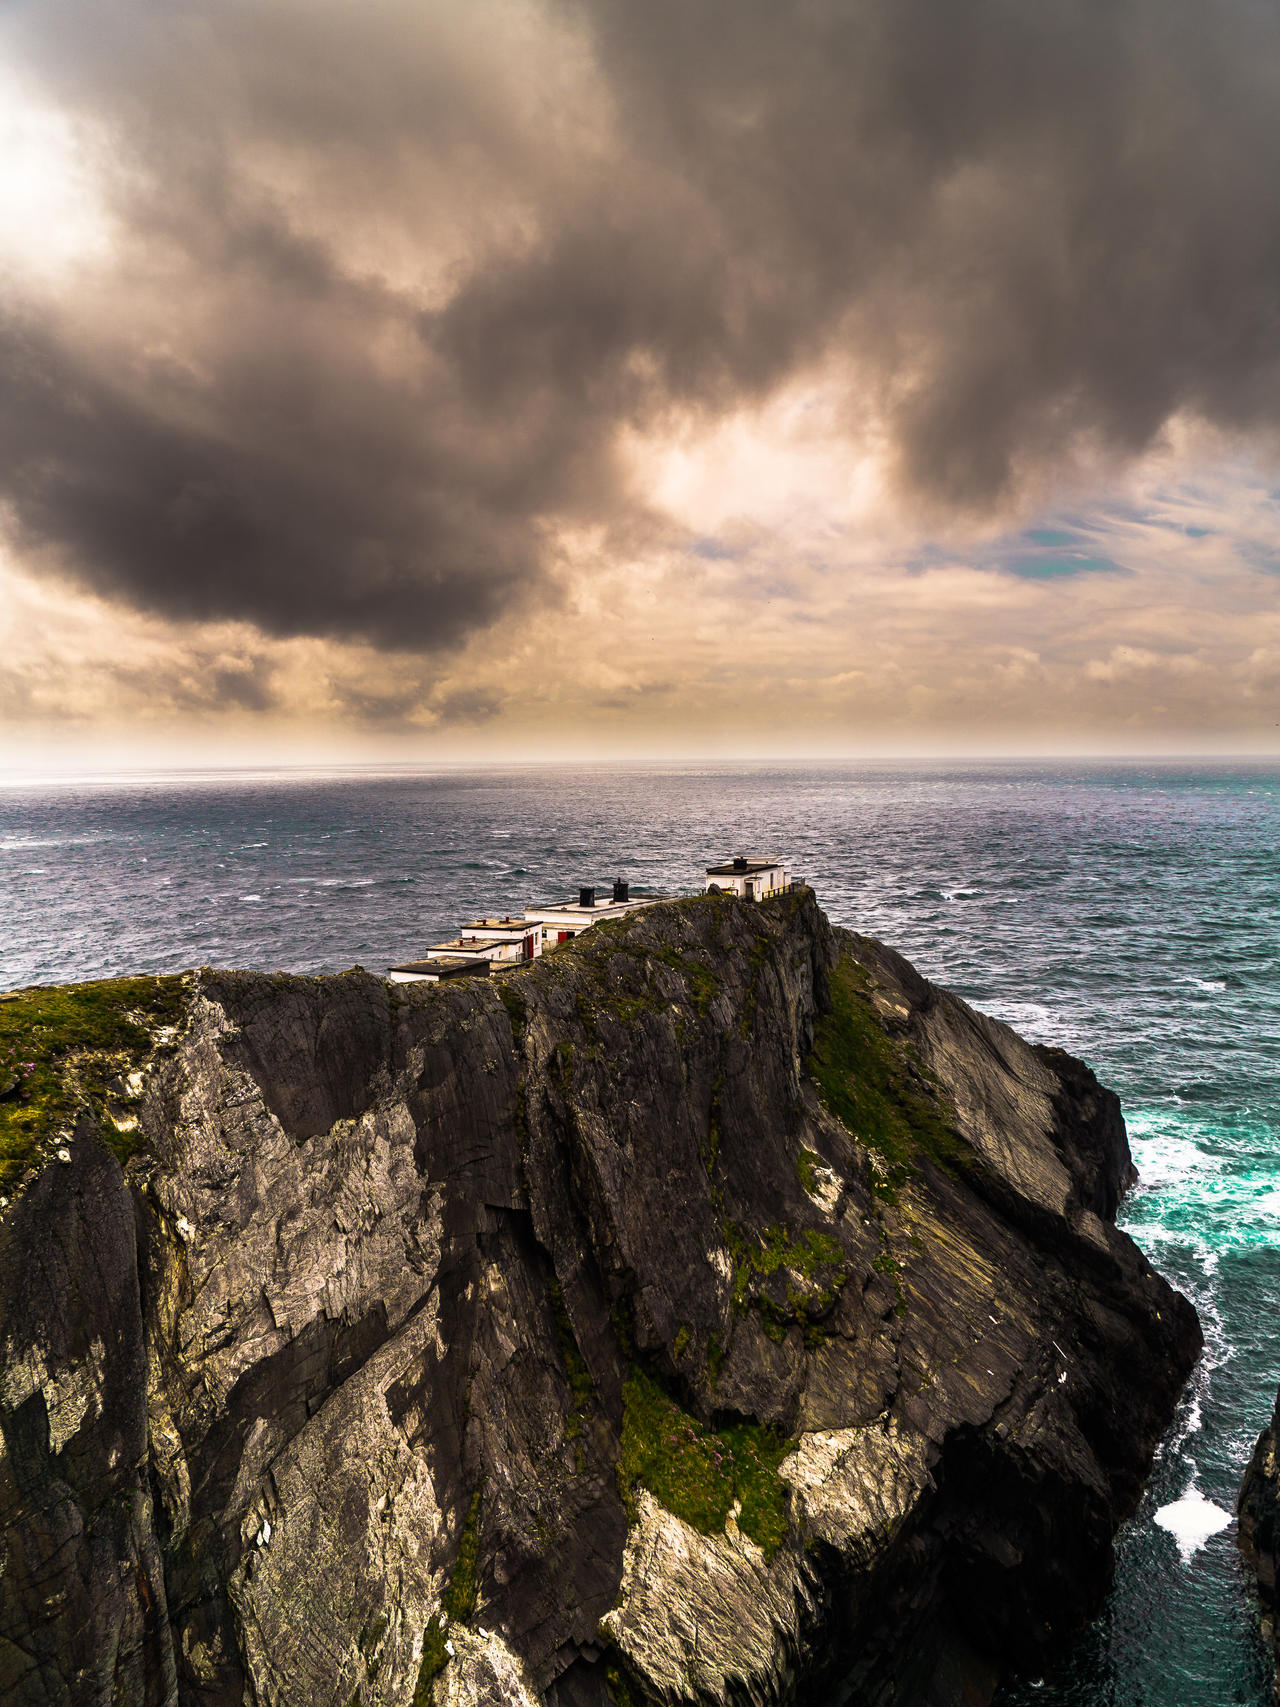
[1127, 912]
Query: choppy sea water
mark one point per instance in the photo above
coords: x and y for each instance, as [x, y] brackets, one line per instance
[1128, 913]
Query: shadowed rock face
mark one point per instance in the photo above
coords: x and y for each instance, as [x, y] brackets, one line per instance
[711, 1311]
[1258, 1509]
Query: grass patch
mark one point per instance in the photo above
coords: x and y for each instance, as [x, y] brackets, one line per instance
[586, 1013]
[807, 1164]
[703, 984]
[872, 1084]
[698, 1473]
[513, 1002]
[458, 1605]
[715, 1359]
[435, 1658]
[629, 1009]
[702, 981]
[72, 1044]
[460, 1596]
[815, 1256]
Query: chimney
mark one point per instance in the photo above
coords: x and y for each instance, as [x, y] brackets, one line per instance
[739, 862]
[620, 890]
[586, 896]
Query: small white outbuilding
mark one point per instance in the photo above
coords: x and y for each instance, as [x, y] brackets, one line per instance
[750, 879]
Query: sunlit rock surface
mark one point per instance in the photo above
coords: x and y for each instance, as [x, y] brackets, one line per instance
[711, 1311]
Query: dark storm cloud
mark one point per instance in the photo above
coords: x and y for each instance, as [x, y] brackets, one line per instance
[305, 512]
[1014, 229]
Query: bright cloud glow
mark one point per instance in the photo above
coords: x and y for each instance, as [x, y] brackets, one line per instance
[51, 216]
[532, 378]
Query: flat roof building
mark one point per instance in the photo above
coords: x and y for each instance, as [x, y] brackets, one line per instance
[492, 943]
[485, 948]
[525, 933]
[562, 920]
[750, 879]
[438, 970]
[475, 948]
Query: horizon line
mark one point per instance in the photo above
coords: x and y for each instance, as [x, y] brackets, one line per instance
[15, 778]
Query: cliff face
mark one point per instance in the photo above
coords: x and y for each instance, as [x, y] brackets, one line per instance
[711, 1311]
[1258, 1509]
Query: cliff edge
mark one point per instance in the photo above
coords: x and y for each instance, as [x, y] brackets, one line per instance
[1258, 1511]
[711, 1311]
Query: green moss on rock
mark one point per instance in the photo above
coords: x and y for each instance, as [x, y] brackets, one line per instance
[514, 1003]
[871, 1081]
[812, 1254]
[580, 1383]
[460, 1596]
[715, 1359]
[698, 1473]
[703, 983]
[69, 1045]
[435, 1658]
[618, 1688]
[807, 1164]
[457, 1606]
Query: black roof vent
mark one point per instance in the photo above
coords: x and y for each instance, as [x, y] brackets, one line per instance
[621, 891]
[739, 862]
[586, 896]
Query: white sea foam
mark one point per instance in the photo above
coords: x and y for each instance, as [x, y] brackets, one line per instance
[1163, 1160]
[1268, 1204]
[16, 844]
[1191, 1521]
[337, 882]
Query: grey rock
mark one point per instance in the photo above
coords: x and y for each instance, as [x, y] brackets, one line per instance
[1258, 1511]
[331, 1397]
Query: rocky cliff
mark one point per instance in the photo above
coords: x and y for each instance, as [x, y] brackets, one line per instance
[712, 1311]
[1258, 1510]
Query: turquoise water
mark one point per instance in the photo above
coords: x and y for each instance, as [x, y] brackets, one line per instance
[1129, 913]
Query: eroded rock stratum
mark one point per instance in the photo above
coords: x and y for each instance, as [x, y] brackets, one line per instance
[1258, 1510]
[712, 1311]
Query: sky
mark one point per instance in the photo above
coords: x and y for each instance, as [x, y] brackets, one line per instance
[473, 380]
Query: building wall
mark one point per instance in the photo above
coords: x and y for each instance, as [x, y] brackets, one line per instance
[532, 929]
[764, 883]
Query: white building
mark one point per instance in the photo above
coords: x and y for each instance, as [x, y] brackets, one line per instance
[525, 936]
[439, 970]
[465, 946]
[562, 920]
[751, 879]
[477, 946]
